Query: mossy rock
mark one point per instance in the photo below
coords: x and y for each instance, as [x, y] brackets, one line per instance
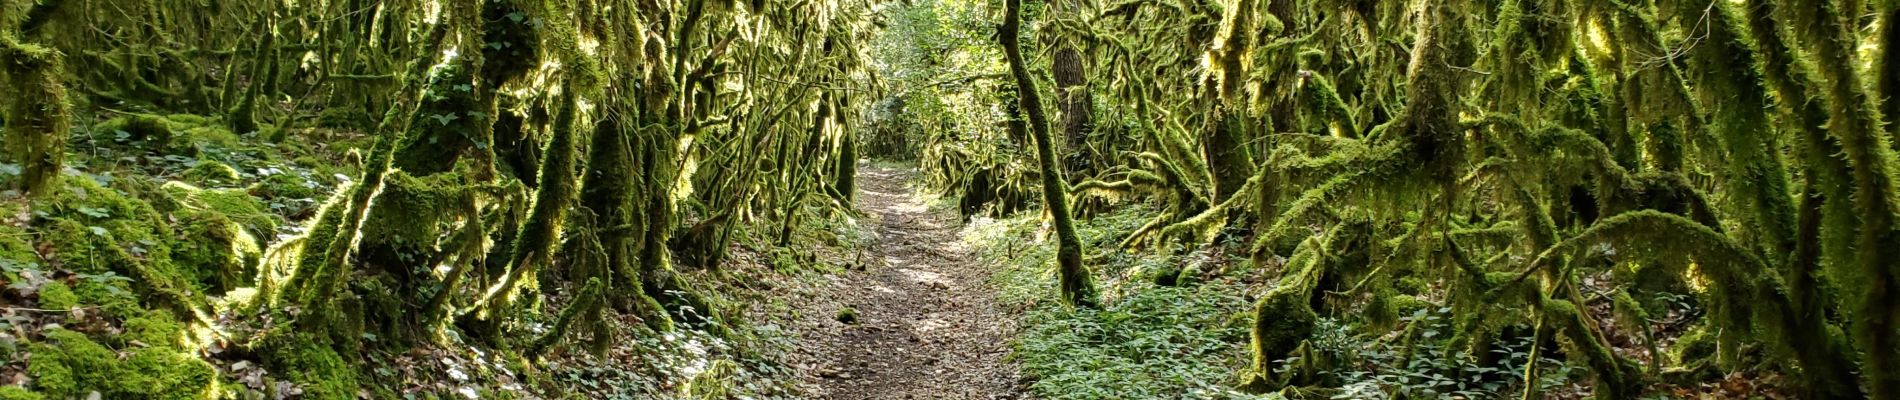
[148, 128]
[217, 254]
[178, 133]
[285, 186]
[70, 365]
[156, 328]
[57, 296]
[206, 136]
[1164, 274]
[219, 234]
[211, 173]
[313, 366]
[237, 205]
[115, 242]
[114, 297]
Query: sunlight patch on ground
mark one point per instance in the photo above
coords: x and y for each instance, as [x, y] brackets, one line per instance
[924, 277]
[931, 323]
[883, 289]
[910, 207]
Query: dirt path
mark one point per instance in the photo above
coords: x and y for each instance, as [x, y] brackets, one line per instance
[927, 325]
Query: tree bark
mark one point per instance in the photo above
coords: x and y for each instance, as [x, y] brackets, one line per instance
[1078, 287]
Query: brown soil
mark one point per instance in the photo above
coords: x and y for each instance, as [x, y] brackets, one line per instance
[927, 325]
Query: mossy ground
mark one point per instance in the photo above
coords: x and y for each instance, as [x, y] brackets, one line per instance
[156, 222]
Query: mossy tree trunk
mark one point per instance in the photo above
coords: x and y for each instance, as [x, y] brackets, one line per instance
[38, 117]
[1225, 141]
[1077, 285]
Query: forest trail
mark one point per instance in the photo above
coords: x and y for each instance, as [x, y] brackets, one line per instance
[927, 325]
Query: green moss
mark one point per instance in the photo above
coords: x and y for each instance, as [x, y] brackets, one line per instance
[71, 365]
[848, 315]
[115, 297]
[314, 367]
[714, 383]
[13, 242]
[210, 173]
[18, 393]
[163, 373]
[157, 328]
[57, 296]
[191, 119]
[1282, 321]
[220, 228]
[102, 233]
[216, 253]
[238, 205]
[285, 186]
[136, 127]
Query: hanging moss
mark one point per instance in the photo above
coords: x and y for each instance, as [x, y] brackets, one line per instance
[609, 189]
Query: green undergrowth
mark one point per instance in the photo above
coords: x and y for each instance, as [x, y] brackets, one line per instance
[1166, 334]
[134, 280]
[1148, 342]
[120, 280]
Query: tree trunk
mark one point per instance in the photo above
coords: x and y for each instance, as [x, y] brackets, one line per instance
[38, 117]
[1078, 287]
[1073, 97]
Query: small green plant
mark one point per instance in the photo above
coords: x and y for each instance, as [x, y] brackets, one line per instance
[848, 316]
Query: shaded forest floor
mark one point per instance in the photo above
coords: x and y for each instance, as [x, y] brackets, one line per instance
[912, 317]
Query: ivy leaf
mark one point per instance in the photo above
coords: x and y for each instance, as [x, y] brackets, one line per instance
[97, 231]
[444, 119]
[464, 88]
[516, 16]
